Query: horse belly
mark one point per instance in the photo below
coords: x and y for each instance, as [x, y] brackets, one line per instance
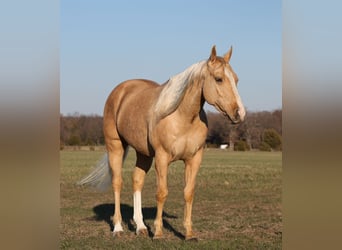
[136, 137]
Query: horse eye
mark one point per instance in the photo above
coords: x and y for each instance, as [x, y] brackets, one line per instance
[217, 79]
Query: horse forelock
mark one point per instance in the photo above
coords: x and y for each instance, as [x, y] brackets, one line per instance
[174, 90]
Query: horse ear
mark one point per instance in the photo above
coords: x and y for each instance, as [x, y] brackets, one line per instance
[213, 54]
[227, 56]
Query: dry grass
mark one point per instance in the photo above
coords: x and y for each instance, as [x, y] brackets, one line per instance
[237, 204]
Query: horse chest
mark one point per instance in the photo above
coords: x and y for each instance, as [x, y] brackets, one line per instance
[184, 146]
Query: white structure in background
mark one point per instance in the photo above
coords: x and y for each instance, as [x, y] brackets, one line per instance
[223, 146]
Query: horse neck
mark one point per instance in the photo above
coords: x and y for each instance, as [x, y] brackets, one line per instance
[182, 92]
[193, 101]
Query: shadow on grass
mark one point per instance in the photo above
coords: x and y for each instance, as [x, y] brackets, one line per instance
[104, 212]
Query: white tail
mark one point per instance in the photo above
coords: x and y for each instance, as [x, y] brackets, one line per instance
[101, 176]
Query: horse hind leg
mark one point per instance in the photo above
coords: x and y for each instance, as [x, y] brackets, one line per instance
[143, 165]
[116, 153]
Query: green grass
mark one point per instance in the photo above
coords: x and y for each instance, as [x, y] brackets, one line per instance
[237, 204]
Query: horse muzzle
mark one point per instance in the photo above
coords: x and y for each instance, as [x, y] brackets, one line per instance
[239, 116]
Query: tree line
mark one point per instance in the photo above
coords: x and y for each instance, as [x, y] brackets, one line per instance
[260, 130]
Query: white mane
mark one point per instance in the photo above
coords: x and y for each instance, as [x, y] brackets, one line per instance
[174, 90]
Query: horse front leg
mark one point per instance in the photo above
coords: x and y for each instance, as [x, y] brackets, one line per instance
[191, 168]
[161, 165]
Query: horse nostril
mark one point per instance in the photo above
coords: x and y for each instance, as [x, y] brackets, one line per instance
[237, 113]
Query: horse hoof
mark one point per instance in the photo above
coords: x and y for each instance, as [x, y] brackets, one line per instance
[118, 234]
[191, 238]
[158, 237]
[142, 232]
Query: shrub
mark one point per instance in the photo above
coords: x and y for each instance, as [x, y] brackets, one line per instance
[211, 145]
[74, 140]
[264, 147]
[241, 146]
[272, 138]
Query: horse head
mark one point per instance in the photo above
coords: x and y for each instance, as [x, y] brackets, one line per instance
[220, 87]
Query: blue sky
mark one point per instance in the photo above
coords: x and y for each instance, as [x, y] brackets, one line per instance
[106, 42]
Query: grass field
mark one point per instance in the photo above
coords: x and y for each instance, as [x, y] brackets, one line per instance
[237, 204]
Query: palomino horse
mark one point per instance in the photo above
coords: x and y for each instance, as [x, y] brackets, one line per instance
[166, 122]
